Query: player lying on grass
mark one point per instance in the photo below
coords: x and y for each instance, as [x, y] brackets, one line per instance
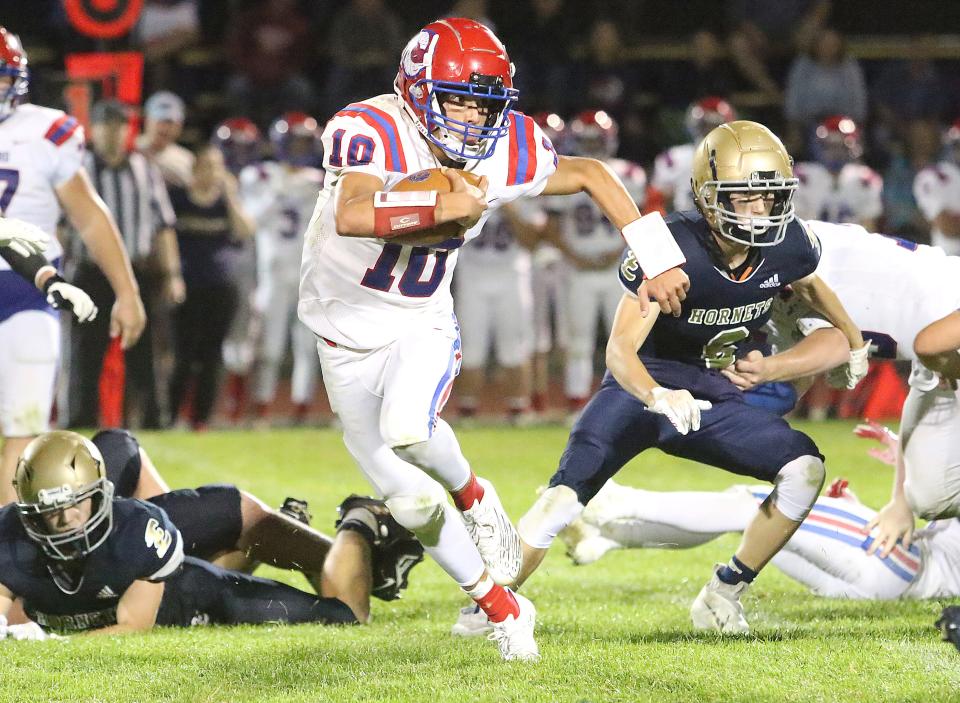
[665, 388]
[82, 559]
[236, 530]
[830, 554]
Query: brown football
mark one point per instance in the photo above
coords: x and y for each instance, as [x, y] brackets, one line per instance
[431, 179]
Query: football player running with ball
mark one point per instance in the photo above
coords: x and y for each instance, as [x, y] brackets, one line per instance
[665, 388]
[375, 288]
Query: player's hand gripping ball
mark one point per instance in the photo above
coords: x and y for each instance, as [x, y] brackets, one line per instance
[448, 235]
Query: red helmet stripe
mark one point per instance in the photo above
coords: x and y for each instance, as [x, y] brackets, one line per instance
[386, 127]
[61, 130]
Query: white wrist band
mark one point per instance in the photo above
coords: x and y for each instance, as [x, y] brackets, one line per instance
[653, 245]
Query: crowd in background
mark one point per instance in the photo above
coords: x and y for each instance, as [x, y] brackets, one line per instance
[788, 64]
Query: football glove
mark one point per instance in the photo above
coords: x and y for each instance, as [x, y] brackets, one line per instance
[680, 407]
[66, 296]
[31, 632]
[24, 238]
[851, 373]
[949, 625]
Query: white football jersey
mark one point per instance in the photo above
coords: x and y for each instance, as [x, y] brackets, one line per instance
[364, 293]
[937, 189]
[891, 288]
[853, 195]
[40, 150]
[671, 176]
[280, 200]
[583, 227]
[497, 248]
[939, 576]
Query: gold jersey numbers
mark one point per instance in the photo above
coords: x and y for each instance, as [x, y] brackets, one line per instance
[158, 538]
[629, 267]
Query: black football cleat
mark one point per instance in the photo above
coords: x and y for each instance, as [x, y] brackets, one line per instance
[395, 550]
[949, 625]
[297, 509]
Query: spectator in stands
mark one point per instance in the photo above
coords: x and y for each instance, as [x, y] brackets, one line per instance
[134, 192]
[209, 218]
[763, 31]
[541, 51]
[268, 46]
[163, 122]
[907, 89]
[708, 72]
[365, 39]
[165, 29]
[478, 10]
[826, 82]
[919, 150]
[604, 79]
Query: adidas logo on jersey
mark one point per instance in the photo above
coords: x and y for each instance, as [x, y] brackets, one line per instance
[106, 592]
[772, 282]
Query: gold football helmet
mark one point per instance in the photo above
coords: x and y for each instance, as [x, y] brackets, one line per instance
[60, 470]
[744, 157]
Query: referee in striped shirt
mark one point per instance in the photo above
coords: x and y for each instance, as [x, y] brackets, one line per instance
[134, 192]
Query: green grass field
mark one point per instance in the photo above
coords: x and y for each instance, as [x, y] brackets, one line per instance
[617, 630]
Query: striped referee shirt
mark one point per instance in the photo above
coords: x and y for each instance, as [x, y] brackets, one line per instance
[136, 196]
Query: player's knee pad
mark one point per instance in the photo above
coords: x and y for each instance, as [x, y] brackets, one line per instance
[423, 512]
[797, 486]
[556, 508]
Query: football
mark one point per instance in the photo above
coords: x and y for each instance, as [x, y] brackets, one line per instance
[432, 179]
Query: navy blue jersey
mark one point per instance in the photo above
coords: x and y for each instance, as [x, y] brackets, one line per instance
[143, 545]
[722, 308]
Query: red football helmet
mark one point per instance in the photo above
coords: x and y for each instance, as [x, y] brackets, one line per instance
[706, 114]
[457, 58]
[553, 127]
[837, 142]
[593, 133]
[296, 139]
[239, 140]
[13, 65]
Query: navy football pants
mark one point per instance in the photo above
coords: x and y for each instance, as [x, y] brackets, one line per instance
[615, 427]
[202, 593]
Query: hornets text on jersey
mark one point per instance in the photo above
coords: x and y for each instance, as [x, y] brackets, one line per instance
[721, 310]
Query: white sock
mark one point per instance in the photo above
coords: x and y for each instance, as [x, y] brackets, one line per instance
[640, 534]
[693, 511]
[454, 551]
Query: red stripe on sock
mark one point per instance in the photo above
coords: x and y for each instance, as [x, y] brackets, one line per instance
[498, 604]
[468, 495]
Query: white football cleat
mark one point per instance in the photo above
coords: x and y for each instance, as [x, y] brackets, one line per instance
[472, 622]
[514, 636]
[576, 532]
[717, 607]
[496, 538]
[591, 549]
